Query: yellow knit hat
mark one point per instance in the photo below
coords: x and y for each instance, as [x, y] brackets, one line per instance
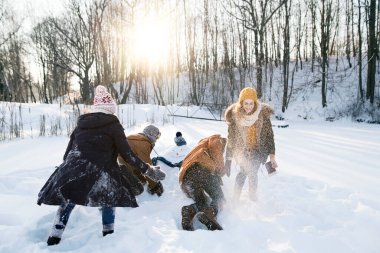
[247, 93]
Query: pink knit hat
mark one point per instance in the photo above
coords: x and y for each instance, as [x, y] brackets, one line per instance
[103, 101]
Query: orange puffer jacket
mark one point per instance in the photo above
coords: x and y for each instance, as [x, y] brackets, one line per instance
[207, 154]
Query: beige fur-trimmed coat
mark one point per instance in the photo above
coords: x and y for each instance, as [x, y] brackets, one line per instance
[236, 139]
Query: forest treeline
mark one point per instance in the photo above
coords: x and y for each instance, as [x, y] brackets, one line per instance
[216, 48]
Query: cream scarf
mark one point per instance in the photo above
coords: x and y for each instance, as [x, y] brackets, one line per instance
[243, 123]
[249, 120]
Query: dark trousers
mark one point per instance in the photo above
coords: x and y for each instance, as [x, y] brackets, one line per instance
[204, 188]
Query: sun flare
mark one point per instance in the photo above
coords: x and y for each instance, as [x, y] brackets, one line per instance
[151, 40]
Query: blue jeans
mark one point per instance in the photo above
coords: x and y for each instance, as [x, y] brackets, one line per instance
[64, 211]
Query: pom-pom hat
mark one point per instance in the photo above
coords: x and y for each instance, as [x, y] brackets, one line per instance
[103, 101]
[179, 140]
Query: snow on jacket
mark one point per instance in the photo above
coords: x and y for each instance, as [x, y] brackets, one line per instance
[90, 174]
[207, 154]
[237, 134]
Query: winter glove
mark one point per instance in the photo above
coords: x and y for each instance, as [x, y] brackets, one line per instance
[154, 160]
[156, 189]
[270, 168]
[179, 164]
[227, 167]
[155, 173]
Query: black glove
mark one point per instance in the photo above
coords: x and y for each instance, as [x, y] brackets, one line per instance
[227, 167]
[155, 173]
[154, 160]
[156, 189]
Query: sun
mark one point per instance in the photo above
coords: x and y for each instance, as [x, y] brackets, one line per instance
[151, 41]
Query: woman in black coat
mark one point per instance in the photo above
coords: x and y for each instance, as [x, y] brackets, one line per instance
[89, 174]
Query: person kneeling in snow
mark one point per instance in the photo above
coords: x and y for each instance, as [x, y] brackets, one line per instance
[89, 174]
[175, 154]
[200, 178]
[142, 145]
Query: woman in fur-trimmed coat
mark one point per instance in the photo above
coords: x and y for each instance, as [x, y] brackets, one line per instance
[250, 139]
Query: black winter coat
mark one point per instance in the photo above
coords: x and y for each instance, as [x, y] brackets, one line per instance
[90, 175]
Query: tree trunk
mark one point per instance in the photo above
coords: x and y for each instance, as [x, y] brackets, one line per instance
[372, 52]
[360, 62]
[286, 54]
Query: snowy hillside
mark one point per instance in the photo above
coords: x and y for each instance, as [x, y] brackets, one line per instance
[324, 198]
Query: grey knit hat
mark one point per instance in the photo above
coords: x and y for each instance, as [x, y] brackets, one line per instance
[152, 133]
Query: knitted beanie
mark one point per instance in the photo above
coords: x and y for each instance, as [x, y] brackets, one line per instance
[179, 140]
[248, 93]
[103, 101]
[152, 133]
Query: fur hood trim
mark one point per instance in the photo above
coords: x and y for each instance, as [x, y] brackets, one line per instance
[236, 108]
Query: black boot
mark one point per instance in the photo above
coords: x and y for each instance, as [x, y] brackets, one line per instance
[188, 213]
[208, 218]
[107, 232]
[52, 240]
[56, 234]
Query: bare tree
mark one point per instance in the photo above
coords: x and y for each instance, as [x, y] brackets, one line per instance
[313, 12]
[286, 54]
[17, 75]
[348, 32]
[372, 51]
[103, 64]
[78, 32]
[255, 15]
[360, 62]
[327, 16]
[54, 79]
[9, 29]
[158, 80]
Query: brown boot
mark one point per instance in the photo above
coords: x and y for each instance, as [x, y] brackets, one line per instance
[208, 218]
[188, 213]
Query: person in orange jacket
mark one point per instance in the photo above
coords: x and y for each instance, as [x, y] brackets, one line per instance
[200, 178]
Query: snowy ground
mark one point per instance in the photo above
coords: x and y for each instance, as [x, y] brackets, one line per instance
[325, 198]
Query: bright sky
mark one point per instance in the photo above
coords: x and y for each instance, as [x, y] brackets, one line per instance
[37, 7]
[151, 39]
[151, 33]
[31, 11]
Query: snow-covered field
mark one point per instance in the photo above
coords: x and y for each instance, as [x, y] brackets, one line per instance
[325, 197]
